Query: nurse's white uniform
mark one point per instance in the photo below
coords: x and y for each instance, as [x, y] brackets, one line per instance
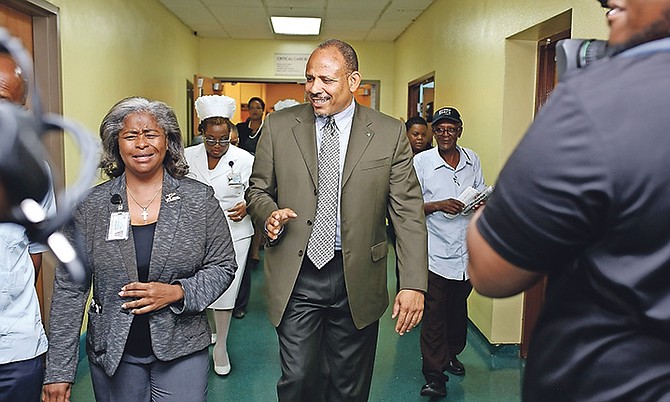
[229, 179]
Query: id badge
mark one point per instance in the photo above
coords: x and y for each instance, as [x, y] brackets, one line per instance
[119, 226]
[235, 179]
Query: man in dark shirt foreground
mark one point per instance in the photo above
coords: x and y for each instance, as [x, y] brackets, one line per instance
[585, 199]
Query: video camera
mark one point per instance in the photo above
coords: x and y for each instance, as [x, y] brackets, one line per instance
[578, 53]
[24, 175]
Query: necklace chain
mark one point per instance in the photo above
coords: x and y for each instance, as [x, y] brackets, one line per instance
[145, 213]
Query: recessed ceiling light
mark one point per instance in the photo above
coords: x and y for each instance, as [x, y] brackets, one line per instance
[296, 25]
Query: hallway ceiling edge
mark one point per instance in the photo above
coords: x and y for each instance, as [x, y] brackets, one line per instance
[349, 20]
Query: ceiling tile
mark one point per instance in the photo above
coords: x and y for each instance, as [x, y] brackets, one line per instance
[239, 14]
[229, 3]
[344, 31]
[295, 3]
[296, 11]
[395, 14]
[372, 5]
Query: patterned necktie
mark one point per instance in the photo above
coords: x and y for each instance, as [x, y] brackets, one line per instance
[321, 245]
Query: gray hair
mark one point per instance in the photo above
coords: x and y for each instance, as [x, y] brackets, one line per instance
[111, 162]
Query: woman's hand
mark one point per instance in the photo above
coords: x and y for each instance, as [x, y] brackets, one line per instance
[238, 212]
[150, 296]
[56, 392]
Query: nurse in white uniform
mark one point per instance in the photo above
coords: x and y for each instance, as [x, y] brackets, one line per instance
[227, 169]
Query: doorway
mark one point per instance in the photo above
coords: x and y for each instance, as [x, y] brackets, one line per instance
[546, 81]
[421, 97]
[270, 91]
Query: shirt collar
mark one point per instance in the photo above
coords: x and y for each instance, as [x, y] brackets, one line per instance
[341, 118]
[655, 46]
[438, 162]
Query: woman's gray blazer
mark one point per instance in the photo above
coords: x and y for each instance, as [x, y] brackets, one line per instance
[192, 246]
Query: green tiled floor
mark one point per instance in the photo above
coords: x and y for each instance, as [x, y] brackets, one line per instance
[493, 375]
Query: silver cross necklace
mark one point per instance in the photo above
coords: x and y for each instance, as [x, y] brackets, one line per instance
[145, 213]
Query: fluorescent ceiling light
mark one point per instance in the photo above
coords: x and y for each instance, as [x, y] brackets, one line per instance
[296, 25]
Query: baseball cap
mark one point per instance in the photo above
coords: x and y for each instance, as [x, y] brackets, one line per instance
[447, 113]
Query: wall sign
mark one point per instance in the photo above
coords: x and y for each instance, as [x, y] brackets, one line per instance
[291, 64]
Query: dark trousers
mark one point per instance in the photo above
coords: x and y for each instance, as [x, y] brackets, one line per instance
[445, 323]
[147, 379]
[22, 381]
[324, 357]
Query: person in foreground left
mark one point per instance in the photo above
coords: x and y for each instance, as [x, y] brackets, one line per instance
[159, 251]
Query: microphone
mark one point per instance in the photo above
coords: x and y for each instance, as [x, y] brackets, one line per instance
[116, 199]
[231, 163]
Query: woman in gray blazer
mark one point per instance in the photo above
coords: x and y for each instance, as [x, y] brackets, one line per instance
[158, 251]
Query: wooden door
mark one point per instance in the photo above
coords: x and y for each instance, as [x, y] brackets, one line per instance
[546, 81]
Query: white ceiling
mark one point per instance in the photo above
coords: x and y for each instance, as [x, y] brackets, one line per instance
[350, 20]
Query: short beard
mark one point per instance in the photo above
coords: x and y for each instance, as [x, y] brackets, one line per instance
[658, 30]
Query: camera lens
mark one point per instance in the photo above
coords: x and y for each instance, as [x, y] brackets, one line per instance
[590, 51]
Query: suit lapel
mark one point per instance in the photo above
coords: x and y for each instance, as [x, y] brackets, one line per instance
[304, 133]
[126, 248]
[359, 139]
[168, 220]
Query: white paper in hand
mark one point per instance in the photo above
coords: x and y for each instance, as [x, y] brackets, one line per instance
[466, 197]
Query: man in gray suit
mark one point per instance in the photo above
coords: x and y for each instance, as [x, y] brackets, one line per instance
[326, 261]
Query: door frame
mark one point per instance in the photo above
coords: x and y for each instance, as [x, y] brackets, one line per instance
[414, 95]
[546, 81]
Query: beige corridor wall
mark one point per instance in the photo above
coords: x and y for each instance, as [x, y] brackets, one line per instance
[255, 60]
[464, 43]
[114, 49]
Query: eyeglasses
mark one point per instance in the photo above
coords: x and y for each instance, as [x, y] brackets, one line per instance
[223, 142]
[451, 130]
